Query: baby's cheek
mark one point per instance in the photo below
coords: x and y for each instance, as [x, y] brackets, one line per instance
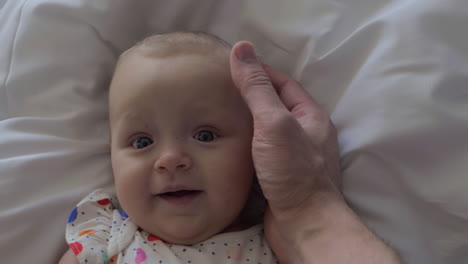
[127, 168]
[121, 176]
[233, 198]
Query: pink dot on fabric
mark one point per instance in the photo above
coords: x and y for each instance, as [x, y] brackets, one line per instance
[140, 256]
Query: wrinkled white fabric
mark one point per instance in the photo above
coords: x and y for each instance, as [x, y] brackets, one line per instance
[392, 74]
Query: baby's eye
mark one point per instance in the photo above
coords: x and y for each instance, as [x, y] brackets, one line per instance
[205, 136]
[142, 142]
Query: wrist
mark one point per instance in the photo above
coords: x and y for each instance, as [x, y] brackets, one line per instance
[324, 212]
[326, 230]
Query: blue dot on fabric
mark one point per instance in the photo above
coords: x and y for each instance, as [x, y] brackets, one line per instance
[73, 215]
[123, 214]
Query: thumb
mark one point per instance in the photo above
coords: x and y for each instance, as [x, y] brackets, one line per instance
[253, 82]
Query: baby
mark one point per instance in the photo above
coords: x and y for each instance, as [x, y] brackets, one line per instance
[181, 157]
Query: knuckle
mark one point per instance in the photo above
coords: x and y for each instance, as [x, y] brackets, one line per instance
[283, 119]
[322, 117]
[283, 123]
[319, 162]
[256, 77]
[275, 125]
[280, 119]
[323, 123]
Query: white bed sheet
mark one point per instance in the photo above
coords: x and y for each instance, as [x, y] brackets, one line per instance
[393, 75]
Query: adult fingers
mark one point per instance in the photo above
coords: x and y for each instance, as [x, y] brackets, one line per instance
[293, 95]
[253, 82]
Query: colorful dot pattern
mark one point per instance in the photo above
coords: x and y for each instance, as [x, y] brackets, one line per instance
[99, 233]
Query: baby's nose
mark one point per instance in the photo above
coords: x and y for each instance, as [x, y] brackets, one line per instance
[172, 162]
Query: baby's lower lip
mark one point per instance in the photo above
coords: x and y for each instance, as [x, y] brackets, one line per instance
[180, 198]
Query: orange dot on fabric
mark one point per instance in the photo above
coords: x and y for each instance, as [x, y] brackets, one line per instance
[152, 238]
[104, 202]
[76, 247]
[113, 260]
[87, 232]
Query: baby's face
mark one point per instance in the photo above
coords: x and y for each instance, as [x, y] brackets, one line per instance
[181, 146]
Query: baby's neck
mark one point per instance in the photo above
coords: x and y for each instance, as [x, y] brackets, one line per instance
[236, 226]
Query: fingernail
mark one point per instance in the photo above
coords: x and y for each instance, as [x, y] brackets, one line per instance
[246, 53]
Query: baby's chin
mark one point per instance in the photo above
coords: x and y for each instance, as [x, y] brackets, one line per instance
[187, 238]
[191, 237]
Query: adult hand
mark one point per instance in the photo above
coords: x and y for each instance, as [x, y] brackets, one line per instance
[295, 153]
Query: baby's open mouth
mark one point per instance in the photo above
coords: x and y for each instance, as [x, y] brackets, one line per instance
[179, 198]
[181, 193]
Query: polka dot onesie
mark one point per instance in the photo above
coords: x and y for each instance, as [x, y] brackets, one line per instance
[98, 233]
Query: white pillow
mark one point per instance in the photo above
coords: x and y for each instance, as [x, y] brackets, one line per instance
[391, 73]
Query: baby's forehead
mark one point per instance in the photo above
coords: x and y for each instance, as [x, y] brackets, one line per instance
[173, 59]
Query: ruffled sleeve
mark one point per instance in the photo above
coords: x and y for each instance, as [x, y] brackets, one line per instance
[89, 228]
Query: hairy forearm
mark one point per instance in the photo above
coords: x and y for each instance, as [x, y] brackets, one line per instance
[333, 233]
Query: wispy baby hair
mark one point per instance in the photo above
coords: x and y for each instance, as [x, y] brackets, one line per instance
[180, 43]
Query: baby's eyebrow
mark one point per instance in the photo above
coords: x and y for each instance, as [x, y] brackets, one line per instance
[130, 117]
[131, 114]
